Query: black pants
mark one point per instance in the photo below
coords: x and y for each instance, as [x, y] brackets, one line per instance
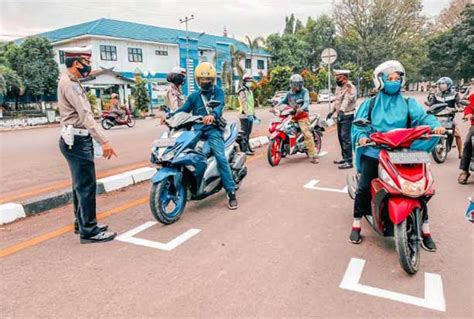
[246, 125]
[368, 171]
[81, 164]
[467, 152]
[344, 125]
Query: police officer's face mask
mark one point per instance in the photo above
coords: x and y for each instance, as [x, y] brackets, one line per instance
[86, 69]
[340, 81]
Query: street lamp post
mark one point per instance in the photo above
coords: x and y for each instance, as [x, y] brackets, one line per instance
[150, 92]
[185, 21]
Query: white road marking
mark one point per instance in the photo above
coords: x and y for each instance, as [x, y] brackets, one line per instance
[128, 237]
[434, 295]
[312, 185]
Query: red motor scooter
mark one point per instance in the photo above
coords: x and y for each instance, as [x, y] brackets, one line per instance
[401, 192]
[109, 120]
[286, 136]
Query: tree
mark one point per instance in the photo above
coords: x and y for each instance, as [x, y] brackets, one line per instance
[451, 16]
[254, 44]
[140, 95]
[280, 76]
[37, 67]
[10, 82]
[289, 50]
[289, 24]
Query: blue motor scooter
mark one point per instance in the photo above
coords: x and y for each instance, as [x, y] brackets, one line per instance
[188, 168]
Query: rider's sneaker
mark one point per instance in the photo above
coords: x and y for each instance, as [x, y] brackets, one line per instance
[428, 243]
[233, 204]
[355, 236]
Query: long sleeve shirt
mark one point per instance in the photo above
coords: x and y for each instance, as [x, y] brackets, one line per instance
[346, 97]
[74, 107]
[246, 102]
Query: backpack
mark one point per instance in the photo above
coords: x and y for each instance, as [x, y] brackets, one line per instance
[372, 105]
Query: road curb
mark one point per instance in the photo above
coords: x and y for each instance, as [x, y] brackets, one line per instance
[11, 212]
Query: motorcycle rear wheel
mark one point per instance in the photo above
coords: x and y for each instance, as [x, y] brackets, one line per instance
[440, 152]
[166, 202]
[274, 151]
[106, 124]
[131, 122]
[407, 245]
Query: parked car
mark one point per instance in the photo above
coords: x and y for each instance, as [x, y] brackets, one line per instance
[279, 95]
[323, 96]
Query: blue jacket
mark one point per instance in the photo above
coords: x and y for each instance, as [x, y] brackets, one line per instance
[291, 98]
[391, 112]
[195, 104]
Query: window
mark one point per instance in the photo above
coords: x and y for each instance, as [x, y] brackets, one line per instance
[108, 52]
[261, 64]
[135, 55]
[61, 57]
[161, 52]
[248, 63]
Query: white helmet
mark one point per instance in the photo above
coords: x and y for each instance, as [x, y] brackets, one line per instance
[385, 69]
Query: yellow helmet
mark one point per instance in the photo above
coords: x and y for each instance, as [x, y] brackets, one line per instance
[205, 70]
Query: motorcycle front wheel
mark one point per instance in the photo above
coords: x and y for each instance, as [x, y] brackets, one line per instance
[167, 202]
[440, 152]
[407, 245]
[274, 151]
[131, 122]
[106, 124]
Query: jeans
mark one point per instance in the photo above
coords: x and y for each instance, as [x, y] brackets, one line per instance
[216, 142]
[246, 123]
[468, 151]
[344, 125]
[80, 159]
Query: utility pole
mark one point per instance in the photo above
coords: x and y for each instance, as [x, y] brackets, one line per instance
[188, 77]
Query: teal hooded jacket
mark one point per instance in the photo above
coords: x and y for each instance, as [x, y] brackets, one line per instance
[391, 112]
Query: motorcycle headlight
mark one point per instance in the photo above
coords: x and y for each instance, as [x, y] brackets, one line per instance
[412, 189]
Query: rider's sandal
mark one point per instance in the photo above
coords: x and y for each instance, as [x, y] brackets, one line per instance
[463, 177]
[355, 236]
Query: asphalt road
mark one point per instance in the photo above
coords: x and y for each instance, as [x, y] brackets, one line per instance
[283, 253]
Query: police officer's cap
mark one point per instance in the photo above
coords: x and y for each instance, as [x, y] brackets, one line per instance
[342, 72]
[78, 52]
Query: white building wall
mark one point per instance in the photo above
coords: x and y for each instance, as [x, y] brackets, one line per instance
[152, 62]
[255, 71]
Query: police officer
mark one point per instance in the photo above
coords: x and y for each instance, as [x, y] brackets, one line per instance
[344, 105]
[75, 143]
[247, 111]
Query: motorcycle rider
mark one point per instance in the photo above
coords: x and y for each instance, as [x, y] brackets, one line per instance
[390, 111]
[345, 104]
[299, 92]
[196, 103]
[246, 110]
[447, 94]
[468, 151]
[174, 95]
[115, 107]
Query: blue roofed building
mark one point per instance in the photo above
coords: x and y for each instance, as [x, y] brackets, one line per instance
[121, 50]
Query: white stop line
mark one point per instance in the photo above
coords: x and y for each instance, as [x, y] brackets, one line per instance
[434, 295]
[129, 237]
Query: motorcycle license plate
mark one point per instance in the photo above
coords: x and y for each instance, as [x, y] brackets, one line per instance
[409, 157]
[164, 142]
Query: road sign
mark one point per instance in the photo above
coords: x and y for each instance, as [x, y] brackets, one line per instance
[329, 56]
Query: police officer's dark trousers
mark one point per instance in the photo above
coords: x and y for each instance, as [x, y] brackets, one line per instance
[344, 125]
[80, 159]
[246, 123]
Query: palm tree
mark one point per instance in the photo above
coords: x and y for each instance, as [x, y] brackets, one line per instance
[254, 45]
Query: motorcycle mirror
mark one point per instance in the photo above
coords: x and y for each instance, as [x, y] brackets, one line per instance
[213, 103]
[361, 122]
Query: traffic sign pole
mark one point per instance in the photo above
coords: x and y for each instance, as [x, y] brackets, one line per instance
[329, 56]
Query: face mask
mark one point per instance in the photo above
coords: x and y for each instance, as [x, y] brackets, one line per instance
[340, 82]
[392, 87]
[206, 86]
[86, 69]
[248, 84]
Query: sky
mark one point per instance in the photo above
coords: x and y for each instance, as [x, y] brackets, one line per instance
[19, 18]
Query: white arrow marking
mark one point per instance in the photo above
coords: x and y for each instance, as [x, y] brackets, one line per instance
[434, 295]
[312, 185]
[128, 237]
